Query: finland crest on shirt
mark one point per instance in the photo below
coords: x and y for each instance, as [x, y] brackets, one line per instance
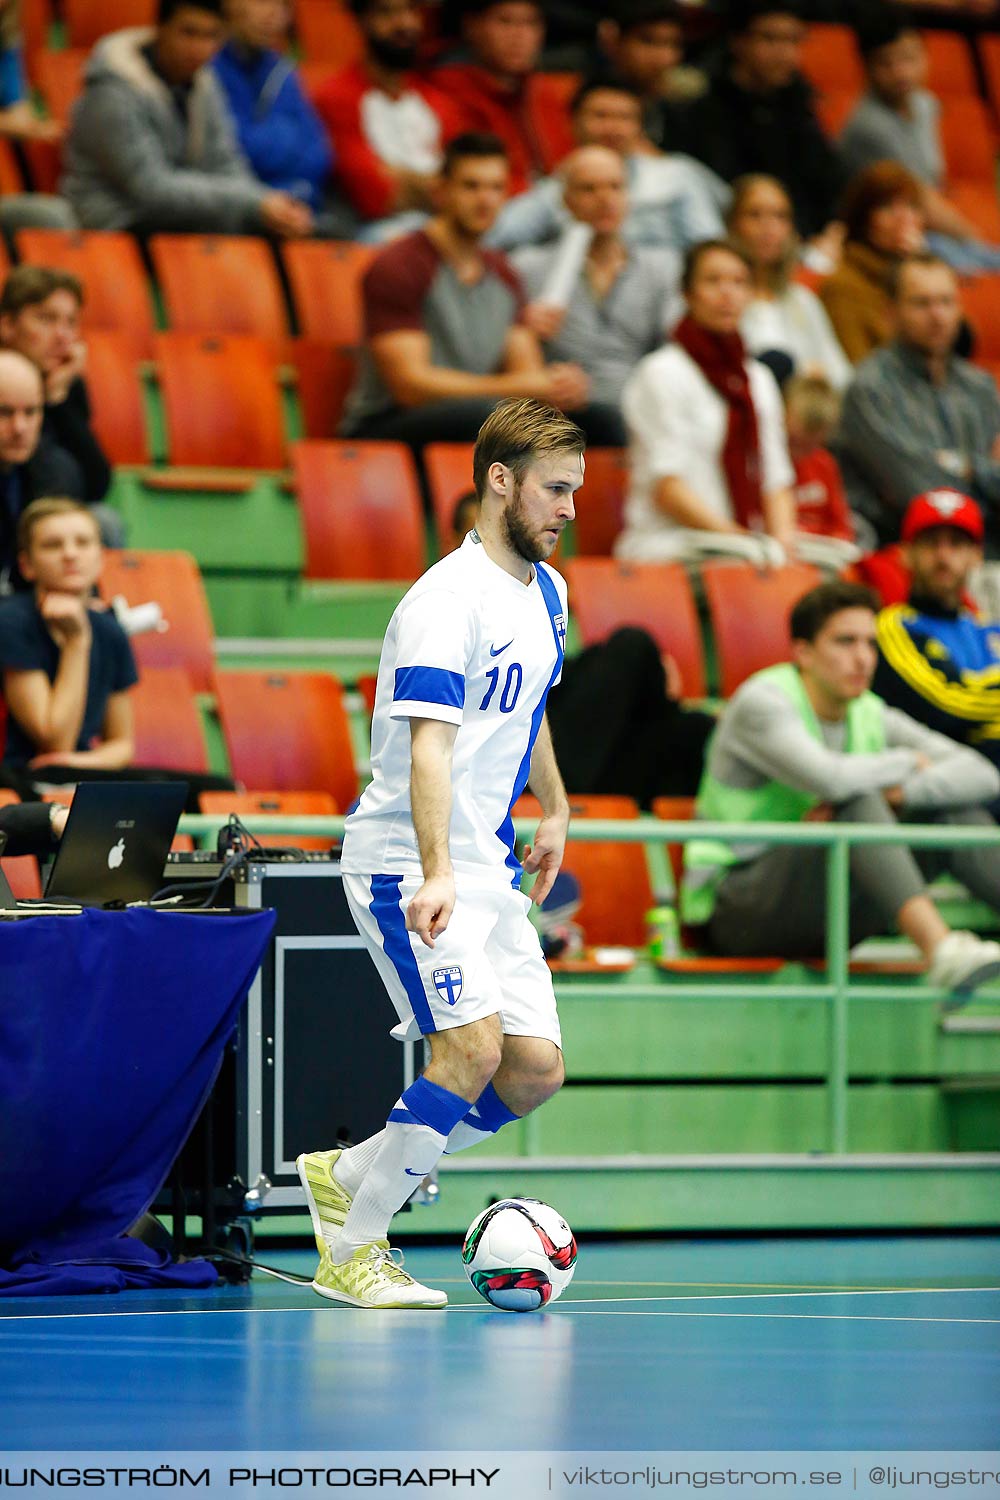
[473, 646]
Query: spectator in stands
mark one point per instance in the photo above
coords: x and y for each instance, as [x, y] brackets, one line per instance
[883, 212]
[674, 201]
[278, 129]
[938, 660]
[757, 115]
[783, 315]
[30, 467]
[709, 461]
[387, 122]
[66, 664]
[809, 740]
[593, 300]
[67, 667]
[444, 327]
[824, 527]
[151, 146]
[18, 120]
[498, 92]
[917, 416]
[643, 41]
[40, 318]
[897, 120]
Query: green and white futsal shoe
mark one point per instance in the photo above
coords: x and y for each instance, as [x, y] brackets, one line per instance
[371, 1278]
[328, 1201]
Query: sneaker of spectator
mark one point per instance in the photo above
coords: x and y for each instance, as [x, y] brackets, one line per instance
[757, 114]
[898, 120]
[709, 464]
[783, 314]
[30, 466]
[151, 146]
[917, 416]
[824, 528]
[594, 300]
[498, 90]
[277, 127]
[674, 201]
[445, 336]
[643, 43]
[40, 318]
[883, 213]
[387, 121]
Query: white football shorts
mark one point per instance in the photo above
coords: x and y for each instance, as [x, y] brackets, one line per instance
[487, 962]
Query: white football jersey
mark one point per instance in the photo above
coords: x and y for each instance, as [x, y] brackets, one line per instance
[471, 645]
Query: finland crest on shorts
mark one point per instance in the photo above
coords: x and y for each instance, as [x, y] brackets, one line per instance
[448, 983]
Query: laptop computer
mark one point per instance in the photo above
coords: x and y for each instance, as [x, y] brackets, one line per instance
[115, 842]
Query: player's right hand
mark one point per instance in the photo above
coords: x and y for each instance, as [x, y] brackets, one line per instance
[429, 913]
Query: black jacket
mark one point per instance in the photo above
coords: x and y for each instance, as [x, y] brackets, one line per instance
[49, 472]
[68, 426]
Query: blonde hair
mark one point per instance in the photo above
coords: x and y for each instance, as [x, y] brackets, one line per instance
[815, 400]
[517, 433]
[778, 276]
[43, 510]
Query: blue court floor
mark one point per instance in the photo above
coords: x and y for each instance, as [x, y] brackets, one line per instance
[761, 1344]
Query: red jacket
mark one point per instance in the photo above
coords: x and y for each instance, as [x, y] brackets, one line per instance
[819, 496]
[362, 173]
[532, 121]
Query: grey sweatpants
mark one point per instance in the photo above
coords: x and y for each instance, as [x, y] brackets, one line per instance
[776, 903]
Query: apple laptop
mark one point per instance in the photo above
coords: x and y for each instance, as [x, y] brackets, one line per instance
[115, 842]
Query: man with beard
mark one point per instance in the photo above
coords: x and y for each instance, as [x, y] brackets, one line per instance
[387, 124]
[445, 336]
[430, 872]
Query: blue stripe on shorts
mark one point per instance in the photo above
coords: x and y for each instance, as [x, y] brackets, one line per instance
[388, 913]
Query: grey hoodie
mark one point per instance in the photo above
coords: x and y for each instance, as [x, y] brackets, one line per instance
[132, 163]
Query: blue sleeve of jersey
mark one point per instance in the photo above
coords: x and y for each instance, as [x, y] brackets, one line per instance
[434, 640]
[429, 685]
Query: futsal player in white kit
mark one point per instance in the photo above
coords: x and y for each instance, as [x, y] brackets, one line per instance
[430, 872]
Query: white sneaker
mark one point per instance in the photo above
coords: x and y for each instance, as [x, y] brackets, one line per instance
[961, 963]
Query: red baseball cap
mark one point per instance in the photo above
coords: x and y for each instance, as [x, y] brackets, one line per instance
[943, 508]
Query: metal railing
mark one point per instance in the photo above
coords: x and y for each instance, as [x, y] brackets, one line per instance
[836, 838]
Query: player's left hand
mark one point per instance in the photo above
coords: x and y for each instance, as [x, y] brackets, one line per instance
[544, 856]
[429, 912]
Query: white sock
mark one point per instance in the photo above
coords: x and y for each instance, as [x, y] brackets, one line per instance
[415, 1135]
[350, 1167]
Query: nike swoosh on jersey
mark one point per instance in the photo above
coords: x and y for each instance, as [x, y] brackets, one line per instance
[411, 1173]
[499, 650]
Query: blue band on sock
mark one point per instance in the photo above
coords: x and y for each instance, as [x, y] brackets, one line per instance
[434, 1106]
[490, 1113]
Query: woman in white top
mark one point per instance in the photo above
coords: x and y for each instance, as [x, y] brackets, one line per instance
[709, 461]
[782, 315]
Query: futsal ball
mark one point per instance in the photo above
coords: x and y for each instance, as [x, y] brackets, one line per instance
[519, 1254]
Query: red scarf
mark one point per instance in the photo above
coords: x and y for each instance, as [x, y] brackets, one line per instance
[721, 359]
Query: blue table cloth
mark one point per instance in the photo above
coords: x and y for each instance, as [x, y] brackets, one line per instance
[112, 1031]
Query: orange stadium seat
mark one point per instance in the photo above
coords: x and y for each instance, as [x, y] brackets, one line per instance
[87, 20]
[989, 57]
[951, 69]
[288, 731]
[11, 176]
[749, 613]
[448, 467]
[979, 202]
[981, 301]
[35, 20]
[59, 78]
[327, 33]
[600, 502]
[830, 59]
[110, 267]
[614, 878]
[833, 109]
[221, 401]
[173, 580]
[323, 374]
[216, 283]
[294, 804]
[114, 385]
[168, 729]
[325, 278]
[361, 512]
[968, 141]
[605, 594]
